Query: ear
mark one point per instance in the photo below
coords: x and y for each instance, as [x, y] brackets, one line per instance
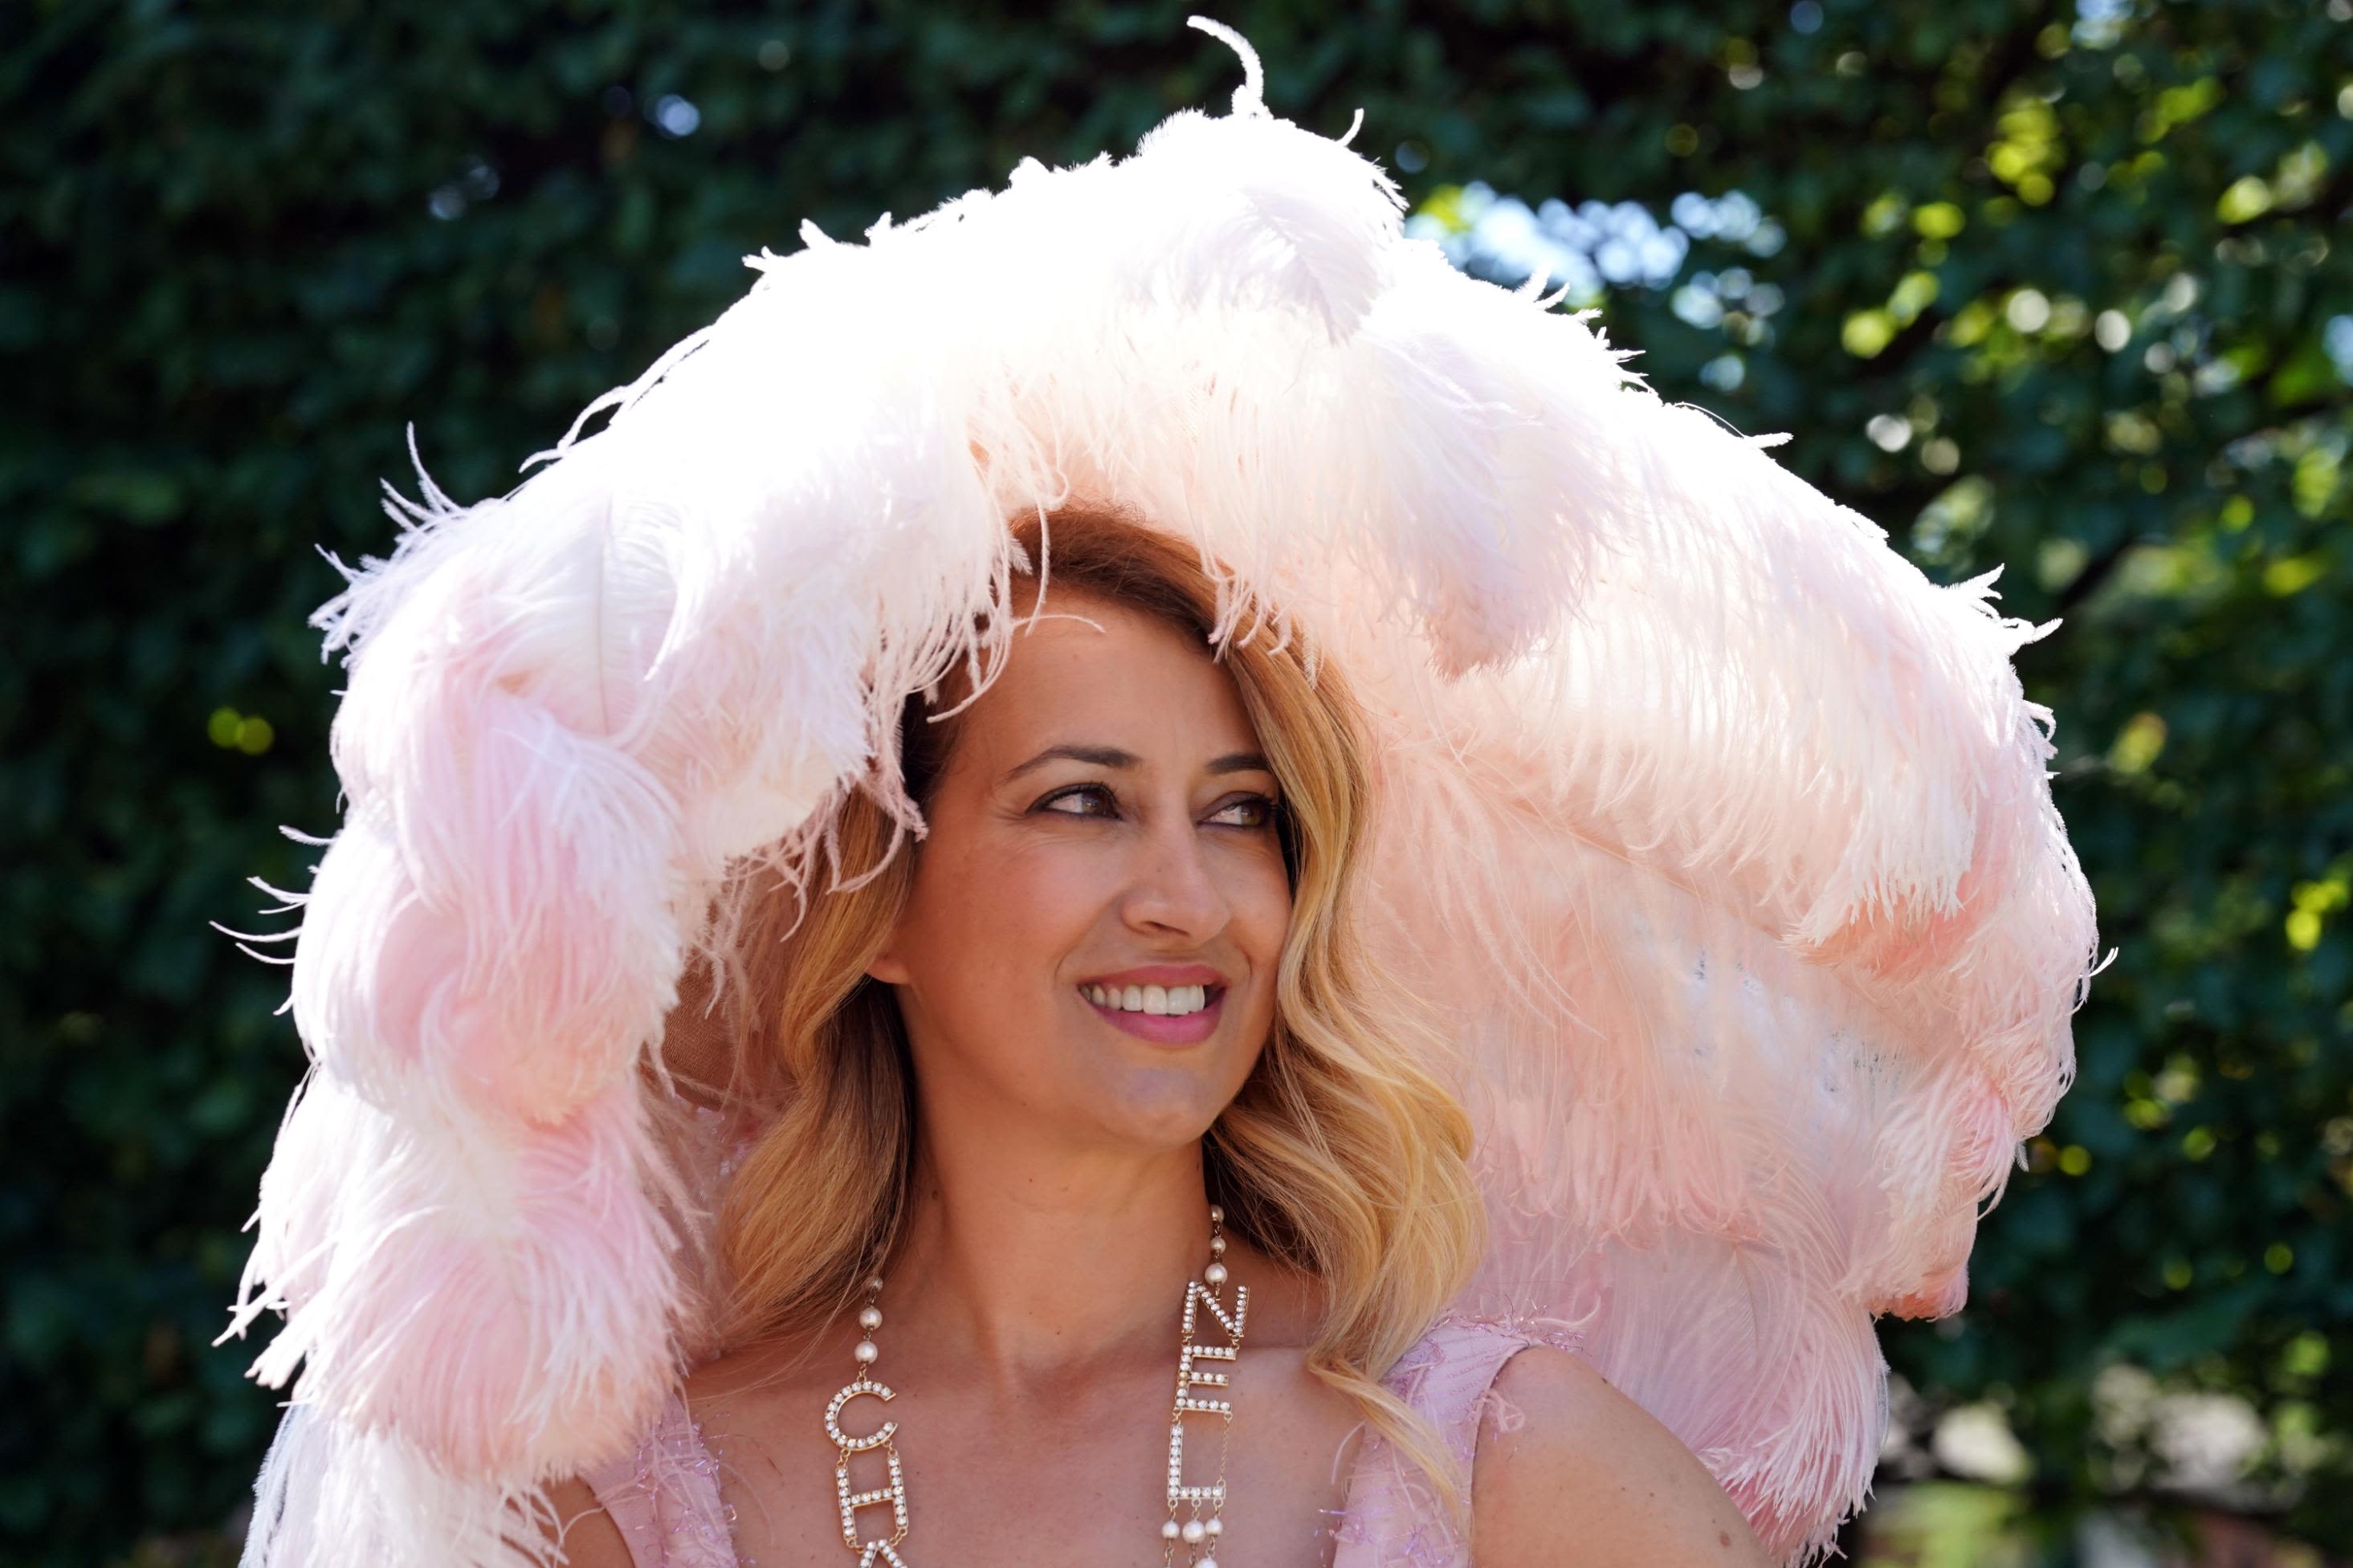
[887, 967]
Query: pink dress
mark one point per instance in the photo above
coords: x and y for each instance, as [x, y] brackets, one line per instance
[665, 1498]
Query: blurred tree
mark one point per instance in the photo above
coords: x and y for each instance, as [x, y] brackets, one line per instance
[2060, 290]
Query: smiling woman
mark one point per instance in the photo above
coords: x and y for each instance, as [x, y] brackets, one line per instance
[1630, 928]
[1127, 802]
[981, 1082]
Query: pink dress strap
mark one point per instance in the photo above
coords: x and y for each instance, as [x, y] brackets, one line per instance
[1393, 1518]
[664, 1498]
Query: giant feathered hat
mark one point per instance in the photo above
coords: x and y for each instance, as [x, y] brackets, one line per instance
[1724, 835]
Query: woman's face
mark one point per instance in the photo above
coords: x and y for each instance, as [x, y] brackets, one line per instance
[1103, 815]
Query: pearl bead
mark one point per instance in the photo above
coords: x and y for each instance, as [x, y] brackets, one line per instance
[871, 1318]
[1216, 1214]
[874, 1284]
[1193, 1532]
[1167, 1529]
[1215, 1527]
[1215, 1274]
[865, 1351]
[1217, 1247]
[1205, 1563]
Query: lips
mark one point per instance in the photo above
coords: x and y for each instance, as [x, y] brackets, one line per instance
[1161, 974]
[1187, 1029]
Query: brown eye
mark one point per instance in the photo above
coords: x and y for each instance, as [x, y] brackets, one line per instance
[1079, 792]
[1265, 808]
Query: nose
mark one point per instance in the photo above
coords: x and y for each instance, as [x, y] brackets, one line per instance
[1175, 890]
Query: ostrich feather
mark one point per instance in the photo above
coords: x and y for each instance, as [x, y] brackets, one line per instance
[1725, 834]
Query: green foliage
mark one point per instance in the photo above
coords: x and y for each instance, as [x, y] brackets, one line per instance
[2052, 291]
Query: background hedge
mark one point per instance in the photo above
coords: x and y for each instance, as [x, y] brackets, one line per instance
[2064, 288]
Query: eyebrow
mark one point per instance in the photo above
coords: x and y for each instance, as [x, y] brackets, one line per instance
[1113, 757]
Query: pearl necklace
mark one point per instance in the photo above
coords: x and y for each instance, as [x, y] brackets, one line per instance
[1198, 1534]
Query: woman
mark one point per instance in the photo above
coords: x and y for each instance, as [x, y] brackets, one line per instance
[1123, 806]
[1711, 843]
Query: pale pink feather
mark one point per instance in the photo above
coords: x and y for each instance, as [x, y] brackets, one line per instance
[1726, 835]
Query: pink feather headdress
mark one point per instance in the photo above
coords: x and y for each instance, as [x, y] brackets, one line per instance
[1723, 832]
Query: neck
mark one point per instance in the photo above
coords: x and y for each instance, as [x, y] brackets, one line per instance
[1028, 1262]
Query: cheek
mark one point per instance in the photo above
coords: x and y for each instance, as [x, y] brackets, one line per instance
[993, 923]
[1262, 914]
[1261, 925]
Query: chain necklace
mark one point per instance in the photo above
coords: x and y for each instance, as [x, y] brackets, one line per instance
[1197, 1534]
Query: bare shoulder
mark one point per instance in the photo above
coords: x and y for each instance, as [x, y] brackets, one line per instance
[589, 1537]
[1585, 1466]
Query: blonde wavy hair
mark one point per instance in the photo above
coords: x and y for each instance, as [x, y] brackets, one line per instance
[1344, 1155]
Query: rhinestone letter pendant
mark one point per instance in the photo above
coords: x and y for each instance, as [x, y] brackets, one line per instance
[880, 1549]
[1200, 1533]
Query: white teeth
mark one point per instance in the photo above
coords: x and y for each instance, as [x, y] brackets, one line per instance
[1159, 1000]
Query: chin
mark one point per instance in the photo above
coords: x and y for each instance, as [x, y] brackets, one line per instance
[1162, 1106]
